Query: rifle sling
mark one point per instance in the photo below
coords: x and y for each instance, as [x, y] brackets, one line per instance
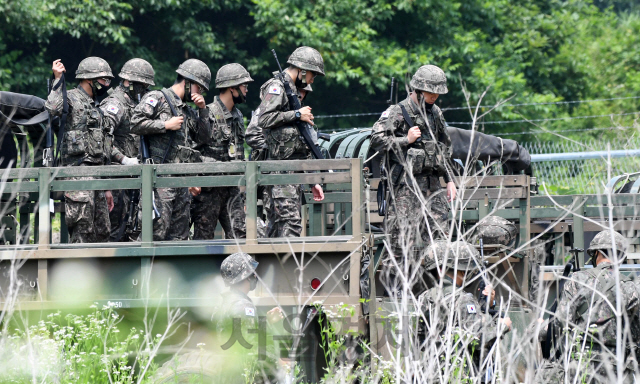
[63, 118]
[173, 133]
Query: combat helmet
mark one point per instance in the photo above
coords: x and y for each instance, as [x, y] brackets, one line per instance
[602, 242]
[429, 78]
[495, 230]
[458, 254]
[138, 70]
[231, 75]
[237, 267]
[308, 59]
[196, 71]
[93, 68]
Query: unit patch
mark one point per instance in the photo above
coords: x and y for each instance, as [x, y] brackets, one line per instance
[274, 90]
[152, 102]
[384, 114]
[249, 312]
[471, 308]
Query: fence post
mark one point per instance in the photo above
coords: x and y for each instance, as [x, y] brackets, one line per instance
[44, 220]
[356, 198]
[578, 226]
[251, 181]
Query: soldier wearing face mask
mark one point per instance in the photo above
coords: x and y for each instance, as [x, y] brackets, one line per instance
[224, 204]
[137, 76]
[86, 141]
[171, 127]
[413, 137]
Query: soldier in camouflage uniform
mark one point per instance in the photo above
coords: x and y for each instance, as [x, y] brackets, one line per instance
[452, 265]
[137, 76]
[587, 310]
[171, 139]
[416, 157]
[283, 140]
[86, 141]
[226, 144]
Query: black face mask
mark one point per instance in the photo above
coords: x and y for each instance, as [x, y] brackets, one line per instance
[187, 91]
[253, 280]
[301, 80]
[137, 90]
[240, 98]
[428, 106]
[98, 89]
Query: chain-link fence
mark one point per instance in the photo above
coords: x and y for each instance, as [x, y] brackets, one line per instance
[581, 176]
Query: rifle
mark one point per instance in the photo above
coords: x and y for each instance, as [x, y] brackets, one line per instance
[47, 153]
[304, 128]
[381, 195]
[146, 159]
[63, 119]
[551, 335]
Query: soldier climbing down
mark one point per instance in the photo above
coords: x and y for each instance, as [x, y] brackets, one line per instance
[86, 141]
[413, 137]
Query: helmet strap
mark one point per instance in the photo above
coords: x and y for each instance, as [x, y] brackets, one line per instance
[301, 79]
[187, 90]
[97, 88]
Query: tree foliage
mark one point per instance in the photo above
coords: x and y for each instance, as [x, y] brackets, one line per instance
[536, 51]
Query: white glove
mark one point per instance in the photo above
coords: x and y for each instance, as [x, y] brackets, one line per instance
[130, 161]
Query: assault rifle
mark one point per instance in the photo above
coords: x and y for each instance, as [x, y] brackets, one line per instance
[383, 189]
[47, 153]
[304, 128]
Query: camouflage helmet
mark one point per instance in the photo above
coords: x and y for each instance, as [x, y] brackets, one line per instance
[308, 59]
[237, 267]
[602, 242]
[495, 230]
[138, 70]
[93, 68]
[196, 71]
[429, 78]
[231, 75]
[458, 254]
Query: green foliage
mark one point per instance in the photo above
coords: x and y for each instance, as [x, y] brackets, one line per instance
[534, 51]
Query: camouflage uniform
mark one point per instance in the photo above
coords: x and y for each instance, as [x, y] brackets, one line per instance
[467, 314]
[86, 142]
[419, 208]
[148, 119]
[584, 310]
[226, 144]
[283, 141]
[117, 109]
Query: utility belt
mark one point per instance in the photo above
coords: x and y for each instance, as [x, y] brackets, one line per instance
[221, 152]
[285, 142]
[90, 141]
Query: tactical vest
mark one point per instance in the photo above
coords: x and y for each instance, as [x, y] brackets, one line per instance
[226, 144]
[123, 139]
[159, 144]
[428, 156]
[84, 139]
[284, 142]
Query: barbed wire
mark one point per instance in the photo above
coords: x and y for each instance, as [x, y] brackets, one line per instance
[540, 120]
[560, 131]
[489, 106]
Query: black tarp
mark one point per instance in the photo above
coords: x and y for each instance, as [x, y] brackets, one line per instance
[488, 148]
[18, 109]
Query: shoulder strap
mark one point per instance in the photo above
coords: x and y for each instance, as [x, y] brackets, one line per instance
[406, 116]
[173, 133]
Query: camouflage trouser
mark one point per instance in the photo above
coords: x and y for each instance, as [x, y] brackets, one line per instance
[410, 225]
[86, 214]
[174, 206]
[225, 204]
[118, 215]
[283, 213]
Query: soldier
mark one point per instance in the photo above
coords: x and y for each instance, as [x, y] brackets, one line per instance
[236, 309]
[137, 76]
[282, 138]
[451, 265]
[586, 321]
[86, 141]
[171, 127]
[226, 144]
[417, 152]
